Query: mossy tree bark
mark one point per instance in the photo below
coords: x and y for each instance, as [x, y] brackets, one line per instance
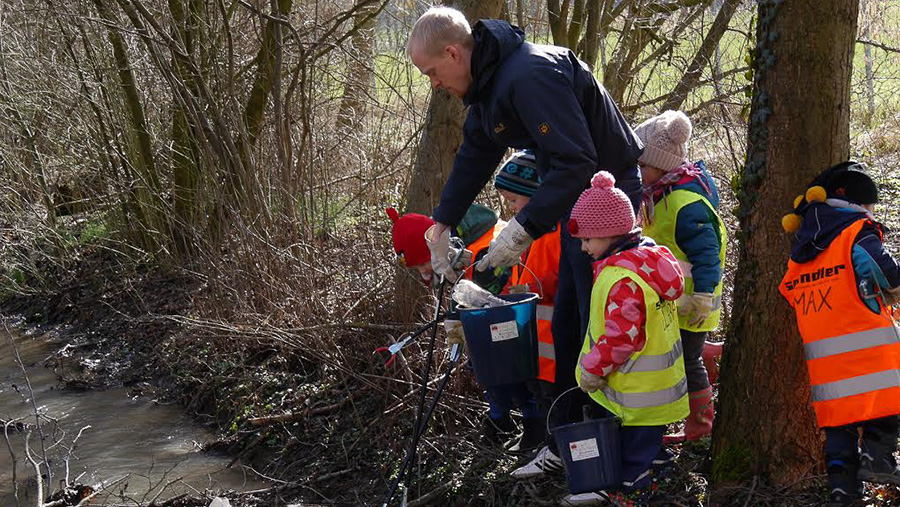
[186, 163]
[144, 198]
[799, 125]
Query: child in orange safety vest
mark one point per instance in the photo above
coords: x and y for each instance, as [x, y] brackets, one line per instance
[516, 181]
[841, 283]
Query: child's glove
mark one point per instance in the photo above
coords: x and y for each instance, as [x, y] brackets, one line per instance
[455, 333]
[519, 289]
[700, 305]
[506, 249]
[588, 382]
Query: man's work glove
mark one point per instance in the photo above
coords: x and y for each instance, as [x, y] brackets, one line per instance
[588, 382]
[455, 333]
[437, 237]
[698, 307]
[506, 249]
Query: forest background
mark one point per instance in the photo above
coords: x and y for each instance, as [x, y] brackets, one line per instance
[197, 188]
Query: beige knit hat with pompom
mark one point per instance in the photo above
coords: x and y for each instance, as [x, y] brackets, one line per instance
[665, 140]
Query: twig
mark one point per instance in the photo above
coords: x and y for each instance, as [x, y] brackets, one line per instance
[249, 447]
[878, 45]
[332, 475]
[14, 460]
[278, 418]
[431, 495]
[752, 488]
[37, 418]
[71, 450]
[37, 469]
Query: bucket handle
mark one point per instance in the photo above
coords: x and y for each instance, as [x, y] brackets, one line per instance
[567, 391]
[536, 279]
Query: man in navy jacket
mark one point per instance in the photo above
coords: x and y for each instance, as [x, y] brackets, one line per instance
[526, 96]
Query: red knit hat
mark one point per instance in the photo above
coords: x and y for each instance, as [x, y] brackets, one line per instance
[602, 211]
[409, 237]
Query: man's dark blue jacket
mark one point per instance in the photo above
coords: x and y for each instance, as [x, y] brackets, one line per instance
[540, 97]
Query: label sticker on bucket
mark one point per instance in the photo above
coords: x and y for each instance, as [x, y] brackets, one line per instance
[584, 449]
[502, 331]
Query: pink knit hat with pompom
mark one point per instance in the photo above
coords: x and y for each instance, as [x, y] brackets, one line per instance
[602, 210]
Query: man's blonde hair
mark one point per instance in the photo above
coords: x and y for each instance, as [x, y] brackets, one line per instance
[438, 28]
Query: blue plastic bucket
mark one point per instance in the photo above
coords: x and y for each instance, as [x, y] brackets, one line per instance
[502, 340]
[591, 454]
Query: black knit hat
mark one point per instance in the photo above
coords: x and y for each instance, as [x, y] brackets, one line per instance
[852, 184]
[847, 181]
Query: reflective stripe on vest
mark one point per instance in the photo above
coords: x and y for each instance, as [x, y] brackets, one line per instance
[546, 351]
[540, 273]
[650, 398]
[856, 385]
[651, 388]
[851, 342]
[662, 230]
[852, 353]
[653, 363]
[544, 312]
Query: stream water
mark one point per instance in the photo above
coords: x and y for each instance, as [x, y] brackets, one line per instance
[153, 449]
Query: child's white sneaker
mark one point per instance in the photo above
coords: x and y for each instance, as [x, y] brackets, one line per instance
[545, 461]
[593, 498]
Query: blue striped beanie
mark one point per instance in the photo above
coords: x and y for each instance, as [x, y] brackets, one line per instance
[519, 174]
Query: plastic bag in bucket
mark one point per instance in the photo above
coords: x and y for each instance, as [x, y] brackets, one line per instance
[502, 340]
[591, 454]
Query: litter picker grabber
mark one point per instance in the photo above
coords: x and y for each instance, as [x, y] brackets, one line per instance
[422, 425]
[392, 349]
[455, 353]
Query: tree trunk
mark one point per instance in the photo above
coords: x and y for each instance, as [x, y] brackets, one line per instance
[765, 424]
[441, 137]
[574, 31]
[558, 15]
[145, 196]
[620, 71]
[870, 71]
[592, 33]
[695, 70]
[185, 145]
[265, 73]
[442, 133]
[359, 71]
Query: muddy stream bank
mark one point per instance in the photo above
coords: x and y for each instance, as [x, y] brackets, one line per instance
[147, 450]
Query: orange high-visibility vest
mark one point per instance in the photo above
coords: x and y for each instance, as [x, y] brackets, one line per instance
[852, 353]
[542, 261]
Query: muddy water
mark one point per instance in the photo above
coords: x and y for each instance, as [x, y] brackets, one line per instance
[151, 445]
